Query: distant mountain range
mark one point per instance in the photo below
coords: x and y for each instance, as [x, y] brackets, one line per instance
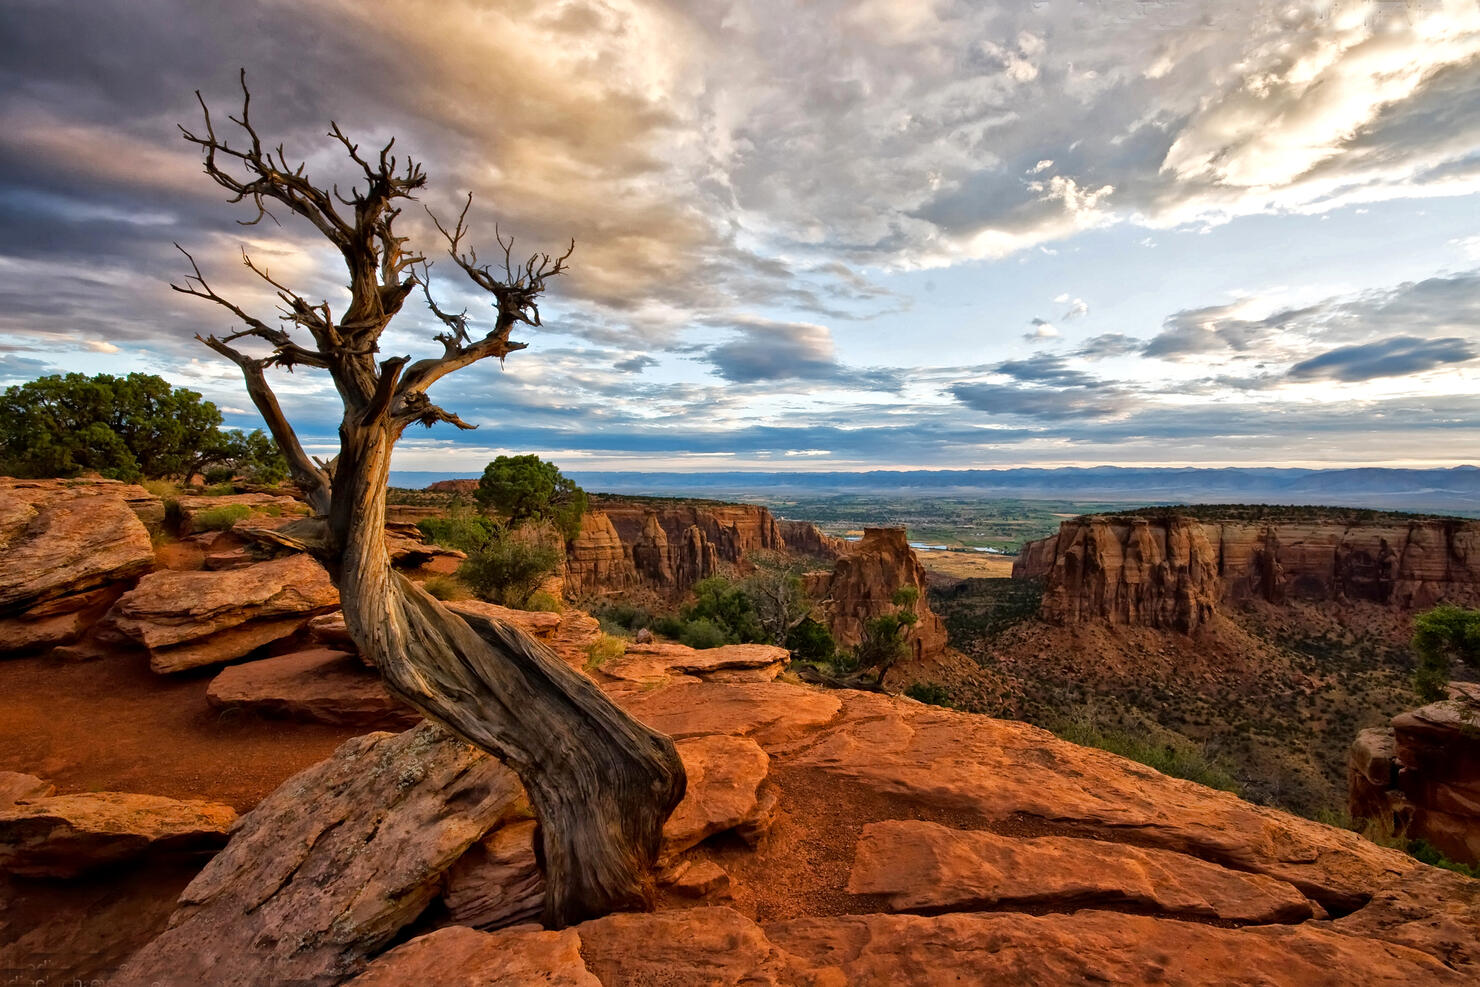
[1455, 489]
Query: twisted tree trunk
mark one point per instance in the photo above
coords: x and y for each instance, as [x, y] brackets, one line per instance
[601, 784]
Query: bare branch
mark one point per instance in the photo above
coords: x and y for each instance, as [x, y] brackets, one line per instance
[314, 481]
[286, 352]
[516, 300]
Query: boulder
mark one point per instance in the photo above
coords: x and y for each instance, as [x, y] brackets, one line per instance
[926, 867]
[69, 549]
[190, 619]
[697, 879]
[725, 775]
[64, 836]
[771, 713]
[191, 510]
[537, 624]
[326, 870]
[316, 686]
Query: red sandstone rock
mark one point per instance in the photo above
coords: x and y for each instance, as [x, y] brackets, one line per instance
[68, 548]
[1421, 775]
[16, 787]
[537, 624]
[725, 775]
[1087, 947]
[189, 619]
[770, 712]
[862, 586]
[655, 662]
[318, 686]
[698, 879]
[69, 835]
[698, 947]
[596, 561]
[997, 770]
[511, 958]
[923, 866]
[1133, 570]
[264, 505]
[326, 870]
[497, 883]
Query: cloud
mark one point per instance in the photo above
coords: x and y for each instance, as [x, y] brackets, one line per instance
[635, 364]
[1042, 329]
[1397, 356]
[762, 350]
[1109, 344]
[1049, 404]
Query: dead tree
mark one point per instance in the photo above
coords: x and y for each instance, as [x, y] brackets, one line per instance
[601, 783]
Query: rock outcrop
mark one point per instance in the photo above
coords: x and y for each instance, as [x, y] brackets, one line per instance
[190, 619]
[1420, 776]
[1030, 859]
[64, 836]
[70, 549]
[863, 585]
[1173, 571]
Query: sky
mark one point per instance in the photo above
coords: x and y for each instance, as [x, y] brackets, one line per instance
[808, 236]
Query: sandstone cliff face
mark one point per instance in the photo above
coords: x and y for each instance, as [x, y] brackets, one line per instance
[1129, 571]
[670, 548]
[1111, 567]
[862, 586]
[1420, 775]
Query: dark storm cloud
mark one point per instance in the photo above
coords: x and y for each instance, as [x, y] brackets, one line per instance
[1397, 356]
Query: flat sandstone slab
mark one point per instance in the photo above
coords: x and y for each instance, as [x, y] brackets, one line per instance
[69, 835]
[316, 686]
[923, 866]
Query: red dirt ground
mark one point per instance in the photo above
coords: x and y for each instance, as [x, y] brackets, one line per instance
[114, 725]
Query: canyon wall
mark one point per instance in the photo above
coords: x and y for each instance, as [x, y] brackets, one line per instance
[668, 547]
[1172, 571]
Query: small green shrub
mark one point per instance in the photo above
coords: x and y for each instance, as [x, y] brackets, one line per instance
[811, 641]
[703, 633]
[446, 588]
[1445, 634]
[220, 518]
[540, 600]
[462, 530]
[931, 693]
[509, 568]
[605, 649]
